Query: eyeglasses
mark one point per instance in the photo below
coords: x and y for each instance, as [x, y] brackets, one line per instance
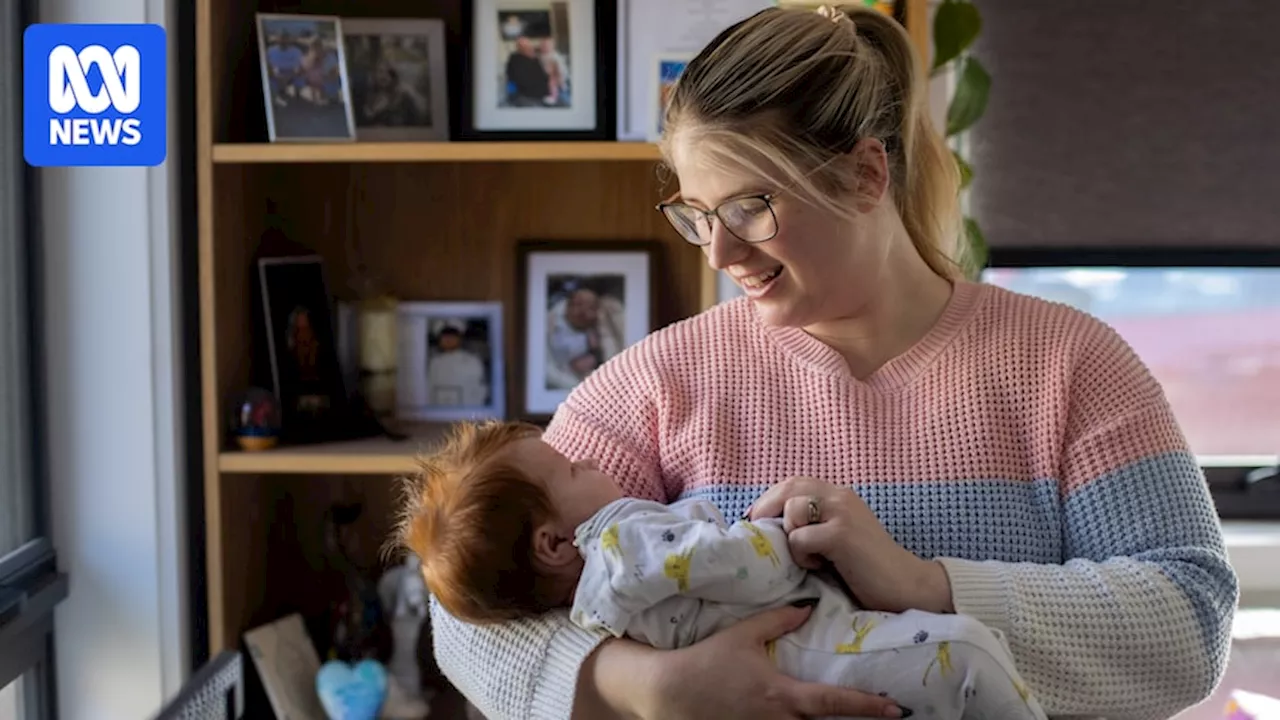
[750, 219]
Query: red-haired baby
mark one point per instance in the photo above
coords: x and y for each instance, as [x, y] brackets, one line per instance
[507, 527]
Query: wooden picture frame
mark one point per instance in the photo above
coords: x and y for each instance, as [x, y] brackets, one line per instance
[614, 281]
[399, 78]
[575, 39]
[451, 364]
[302, 104]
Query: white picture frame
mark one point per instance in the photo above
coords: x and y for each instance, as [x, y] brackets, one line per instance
[618, 283]
[302, 106]
[472, 385]
[419, 91]
[491, 111]
[667, 68]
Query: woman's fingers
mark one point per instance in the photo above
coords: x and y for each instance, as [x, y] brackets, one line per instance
[810, 544]
[771, 624]
[817, 700]
[771, 501]
[795, 511]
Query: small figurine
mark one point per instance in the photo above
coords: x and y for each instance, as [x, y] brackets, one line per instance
[403, 592]
[255, 420]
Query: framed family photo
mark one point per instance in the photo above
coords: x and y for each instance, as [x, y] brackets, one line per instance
[450, 361]
[538, 69]
[583, 304]
[399, 84]
[304, 78]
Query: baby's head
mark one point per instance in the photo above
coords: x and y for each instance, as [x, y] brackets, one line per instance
[492, 514]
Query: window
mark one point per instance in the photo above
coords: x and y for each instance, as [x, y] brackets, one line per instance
[30, 585]
[1207, 325]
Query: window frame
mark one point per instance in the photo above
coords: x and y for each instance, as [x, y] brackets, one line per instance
[31, 585]
[1228, 477]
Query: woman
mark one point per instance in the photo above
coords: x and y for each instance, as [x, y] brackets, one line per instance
[1025, 466]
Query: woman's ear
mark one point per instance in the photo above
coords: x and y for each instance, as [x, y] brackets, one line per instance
[872, 168]
[551, 548]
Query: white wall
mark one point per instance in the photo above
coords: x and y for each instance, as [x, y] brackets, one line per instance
[113, 397]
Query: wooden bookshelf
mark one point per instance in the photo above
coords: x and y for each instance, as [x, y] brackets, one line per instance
[370, 456]
[433, 221]
[424, 152]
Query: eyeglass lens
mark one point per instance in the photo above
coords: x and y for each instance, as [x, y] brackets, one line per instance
[749, 219]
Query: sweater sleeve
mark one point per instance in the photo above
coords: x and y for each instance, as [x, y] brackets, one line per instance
[528, 669]
[1135, 623]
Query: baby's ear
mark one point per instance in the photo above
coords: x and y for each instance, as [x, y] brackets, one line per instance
[552, 548]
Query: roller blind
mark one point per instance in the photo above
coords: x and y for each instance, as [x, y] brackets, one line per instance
[1129, 123]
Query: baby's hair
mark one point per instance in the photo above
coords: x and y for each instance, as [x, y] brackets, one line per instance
[469, 514]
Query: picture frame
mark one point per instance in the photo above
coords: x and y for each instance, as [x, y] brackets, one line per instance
[305, 88]
[399, 78]
[667, 68]
[451, 364]
[608, 286]
[516, 46]
[301, 354]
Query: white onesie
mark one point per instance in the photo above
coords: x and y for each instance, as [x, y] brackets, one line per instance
[671, 575]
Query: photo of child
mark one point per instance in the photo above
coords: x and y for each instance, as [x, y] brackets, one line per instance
[533, 48]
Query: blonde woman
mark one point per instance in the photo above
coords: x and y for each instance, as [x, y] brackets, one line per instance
[943, 445]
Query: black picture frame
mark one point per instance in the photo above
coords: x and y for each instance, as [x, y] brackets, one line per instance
[299, 344]
[605, 21]
[534, 401]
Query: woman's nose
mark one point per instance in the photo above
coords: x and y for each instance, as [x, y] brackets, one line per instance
[724, 249]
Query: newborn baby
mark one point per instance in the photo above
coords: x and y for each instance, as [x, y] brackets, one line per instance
[507, 527]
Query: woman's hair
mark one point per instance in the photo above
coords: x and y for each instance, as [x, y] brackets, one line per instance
[799, 89]
[469, 515]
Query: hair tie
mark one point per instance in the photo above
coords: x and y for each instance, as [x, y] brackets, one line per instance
[837, 16]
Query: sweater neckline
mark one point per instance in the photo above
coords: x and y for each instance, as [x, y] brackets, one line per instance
[898, 371]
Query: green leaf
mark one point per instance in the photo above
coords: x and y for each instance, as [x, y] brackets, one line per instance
[956, 25]
[977, 247]
[970, 99]
[966, 170]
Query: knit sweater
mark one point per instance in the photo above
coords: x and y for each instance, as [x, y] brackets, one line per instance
[1021, 443]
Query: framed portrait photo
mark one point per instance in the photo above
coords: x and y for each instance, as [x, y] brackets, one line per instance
[304, 78]
[667, 69]
[538, 69]
[583, 304]
[399, 83]
[301, 349]
[450, 361]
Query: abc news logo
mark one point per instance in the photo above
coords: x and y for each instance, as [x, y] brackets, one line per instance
[94, 95]
[69, 90]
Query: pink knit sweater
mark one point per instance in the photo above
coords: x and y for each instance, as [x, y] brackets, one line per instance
[1020, 442]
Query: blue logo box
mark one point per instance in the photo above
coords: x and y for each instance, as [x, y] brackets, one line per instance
[94, 95]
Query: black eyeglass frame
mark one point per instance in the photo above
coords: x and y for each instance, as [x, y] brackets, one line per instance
[767, 198]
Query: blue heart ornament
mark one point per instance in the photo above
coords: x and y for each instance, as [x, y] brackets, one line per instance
[352, 692]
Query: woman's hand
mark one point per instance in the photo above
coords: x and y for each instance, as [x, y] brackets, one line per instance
[728, 674]
[824, 521]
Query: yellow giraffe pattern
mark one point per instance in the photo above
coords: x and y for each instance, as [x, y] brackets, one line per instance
[761, 543]
[942, 660]
[609, 540]
[676, 567]
[859, 634]
[771, 649]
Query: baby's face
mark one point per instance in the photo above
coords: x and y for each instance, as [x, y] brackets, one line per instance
[577, 489]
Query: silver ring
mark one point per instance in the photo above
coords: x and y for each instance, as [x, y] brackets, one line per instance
[815, 511]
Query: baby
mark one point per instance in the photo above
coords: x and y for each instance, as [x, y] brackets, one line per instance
[507, 527]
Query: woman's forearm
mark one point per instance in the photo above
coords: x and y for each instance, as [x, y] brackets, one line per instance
[614, 680]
